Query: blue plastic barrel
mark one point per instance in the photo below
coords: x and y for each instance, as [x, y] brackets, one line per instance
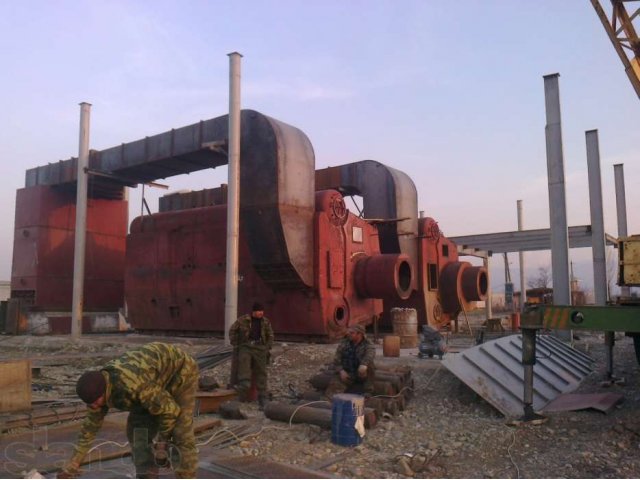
[345, 409]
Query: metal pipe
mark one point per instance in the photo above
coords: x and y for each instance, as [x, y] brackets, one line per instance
[597, 218]
[528, 361]
[489, 299]
[523, 288]
[557, 196]
[233, 197]
[621, 210]
[81, 222]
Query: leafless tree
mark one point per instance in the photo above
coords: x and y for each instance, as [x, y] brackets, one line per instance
[541, 280]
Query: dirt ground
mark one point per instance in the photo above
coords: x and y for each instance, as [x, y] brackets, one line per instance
[447, 431]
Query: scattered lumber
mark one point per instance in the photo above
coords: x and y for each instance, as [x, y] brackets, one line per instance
[15, 385]
[393, 387]
[209, 402]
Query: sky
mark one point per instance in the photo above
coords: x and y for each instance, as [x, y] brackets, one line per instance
[449, 92]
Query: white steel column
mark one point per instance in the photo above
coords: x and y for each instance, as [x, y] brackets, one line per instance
[557, 197]
[233, 197]
[621, 211]
[81, 222]
[597, 218]
[523, 288]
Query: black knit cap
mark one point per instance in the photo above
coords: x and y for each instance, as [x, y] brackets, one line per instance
[91, 386]
[257, 307]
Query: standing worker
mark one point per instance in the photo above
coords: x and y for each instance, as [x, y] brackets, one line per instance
[157, 384]
[252, 336]
[353, 364]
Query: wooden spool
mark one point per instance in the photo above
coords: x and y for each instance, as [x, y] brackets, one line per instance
[391, 346]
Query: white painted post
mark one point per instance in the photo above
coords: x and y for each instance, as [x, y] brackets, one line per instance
[81, 222]
[233, 197]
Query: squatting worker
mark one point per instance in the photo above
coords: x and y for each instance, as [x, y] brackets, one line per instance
[156, 383]
[252, 335]
[353, 364]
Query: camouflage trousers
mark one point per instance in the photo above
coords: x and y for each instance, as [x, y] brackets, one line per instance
[142, 427]
[252, 359]
[354, 384]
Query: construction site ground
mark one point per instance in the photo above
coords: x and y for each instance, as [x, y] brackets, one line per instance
[446, 431]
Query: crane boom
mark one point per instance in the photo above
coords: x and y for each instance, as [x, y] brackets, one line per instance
[623, 35]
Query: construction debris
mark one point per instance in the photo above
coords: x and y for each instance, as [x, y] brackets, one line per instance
[15, 386]
[213, 356]
[603, 402]
[494, 371]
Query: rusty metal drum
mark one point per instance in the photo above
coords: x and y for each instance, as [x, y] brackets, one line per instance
[405, 325]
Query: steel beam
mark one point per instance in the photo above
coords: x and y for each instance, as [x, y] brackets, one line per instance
[526, 240]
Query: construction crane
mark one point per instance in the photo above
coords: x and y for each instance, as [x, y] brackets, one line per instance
[623, 36]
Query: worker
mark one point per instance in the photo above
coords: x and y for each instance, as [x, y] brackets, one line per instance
[353, 363]
[157, 384]
[252, 336]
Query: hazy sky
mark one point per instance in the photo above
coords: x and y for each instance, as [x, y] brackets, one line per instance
[449, 92]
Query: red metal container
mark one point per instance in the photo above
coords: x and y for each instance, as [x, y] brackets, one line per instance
[44, 239]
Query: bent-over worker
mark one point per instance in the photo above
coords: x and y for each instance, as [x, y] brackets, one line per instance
[157, 384]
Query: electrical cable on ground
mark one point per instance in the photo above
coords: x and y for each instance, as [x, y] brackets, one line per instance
[509, 452]
[393, 396]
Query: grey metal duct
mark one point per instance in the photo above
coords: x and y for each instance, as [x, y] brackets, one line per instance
[277, 200]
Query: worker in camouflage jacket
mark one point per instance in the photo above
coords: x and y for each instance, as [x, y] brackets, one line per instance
[353, 363]
[156, 383]
[252, 336]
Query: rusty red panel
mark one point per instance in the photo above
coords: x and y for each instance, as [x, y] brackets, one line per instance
[44, 245]
[175, 275]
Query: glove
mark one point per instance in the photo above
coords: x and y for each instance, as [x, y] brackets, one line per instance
[344, 376]
[70, 470]
[161, 454]
[362, 371]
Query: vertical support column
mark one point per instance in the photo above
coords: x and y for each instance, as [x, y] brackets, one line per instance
[523, 288]
[528, 362]
[233, 197]
[597, 237]
[81, 222]
[621, 211]
[557, 197]
[597, 218]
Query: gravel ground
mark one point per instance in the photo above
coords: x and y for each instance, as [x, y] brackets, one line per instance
[447, 431]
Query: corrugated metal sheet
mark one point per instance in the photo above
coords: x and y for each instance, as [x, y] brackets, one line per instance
[494, 370]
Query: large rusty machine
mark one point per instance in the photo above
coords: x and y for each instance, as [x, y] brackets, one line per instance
[316, 266]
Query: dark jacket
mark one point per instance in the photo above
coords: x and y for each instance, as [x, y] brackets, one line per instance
[365, 352]
[240, 332]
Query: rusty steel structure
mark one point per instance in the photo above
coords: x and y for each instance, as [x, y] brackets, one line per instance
[316, 266]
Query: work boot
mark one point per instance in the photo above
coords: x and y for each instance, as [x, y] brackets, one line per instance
[241, 392]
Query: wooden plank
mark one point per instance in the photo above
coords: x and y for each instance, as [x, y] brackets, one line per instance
[209, 402]
[15, 386]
